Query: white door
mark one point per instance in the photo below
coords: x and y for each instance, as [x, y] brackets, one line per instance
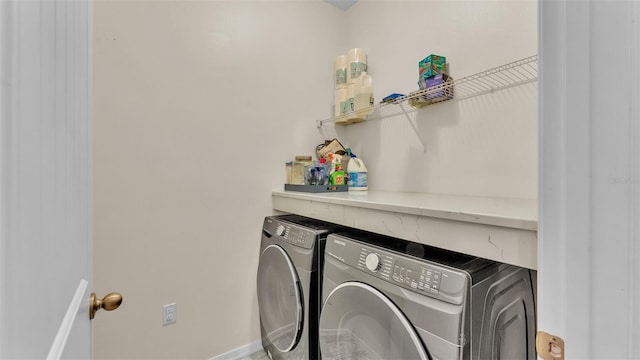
[589, 229]
[46, 235]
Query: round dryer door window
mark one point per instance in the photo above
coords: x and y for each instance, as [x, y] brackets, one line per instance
[360, 322]
[279, 298]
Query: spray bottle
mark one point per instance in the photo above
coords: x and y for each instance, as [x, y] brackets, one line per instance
[337, 175]
[330, 166]
[323, 176]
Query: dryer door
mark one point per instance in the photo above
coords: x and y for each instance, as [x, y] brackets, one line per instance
[279, 298]
[357, 321]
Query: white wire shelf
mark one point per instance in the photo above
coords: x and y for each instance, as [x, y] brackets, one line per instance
[515, 73]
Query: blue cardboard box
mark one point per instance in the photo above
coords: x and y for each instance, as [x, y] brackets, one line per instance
[442, 93]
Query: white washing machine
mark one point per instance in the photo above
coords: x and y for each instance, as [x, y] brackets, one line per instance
[385, 298]
[289, 285]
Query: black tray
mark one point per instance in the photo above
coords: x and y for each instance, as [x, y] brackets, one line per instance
[316, 188]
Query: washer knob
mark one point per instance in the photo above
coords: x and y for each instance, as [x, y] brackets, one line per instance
[373, 262]
[280, 230]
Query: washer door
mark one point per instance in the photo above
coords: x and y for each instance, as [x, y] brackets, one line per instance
[360, 322]
[279, 298]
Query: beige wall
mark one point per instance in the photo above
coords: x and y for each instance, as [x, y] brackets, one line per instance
[198, 104]
[483, 146]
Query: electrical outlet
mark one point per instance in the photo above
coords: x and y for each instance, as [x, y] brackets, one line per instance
[169, 314]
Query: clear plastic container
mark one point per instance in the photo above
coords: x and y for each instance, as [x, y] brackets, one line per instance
[316, 174]
[289, 172]
[298, 169]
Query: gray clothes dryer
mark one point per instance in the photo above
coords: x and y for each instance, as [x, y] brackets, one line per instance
[389, 299]
[289, 284]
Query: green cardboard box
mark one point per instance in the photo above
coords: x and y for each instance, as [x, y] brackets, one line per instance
[430, 66]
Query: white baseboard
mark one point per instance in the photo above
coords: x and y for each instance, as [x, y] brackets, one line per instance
[240, 352]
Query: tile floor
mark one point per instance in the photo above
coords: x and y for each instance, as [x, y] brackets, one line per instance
[260, 355]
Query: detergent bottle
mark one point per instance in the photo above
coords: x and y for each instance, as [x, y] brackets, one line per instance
[358, 175]
[363, 96]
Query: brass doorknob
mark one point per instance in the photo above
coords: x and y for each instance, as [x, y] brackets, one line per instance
[110, 302]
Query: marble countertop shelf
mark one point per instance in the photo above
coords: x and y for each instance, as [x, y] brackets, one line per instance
[500, 229]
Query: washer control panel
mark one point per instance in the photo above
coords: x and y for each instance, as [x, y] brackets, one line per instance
[421, 277]
[418, 275]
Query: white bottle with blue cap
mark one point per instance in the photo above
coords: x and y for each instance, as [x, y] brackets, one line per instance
[358, 175]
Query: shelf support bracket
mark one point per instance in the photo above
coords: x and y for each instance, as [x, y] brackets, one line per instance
[415, 129]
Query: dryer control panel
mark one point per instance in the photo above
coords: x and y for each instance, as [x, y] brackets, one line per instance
[291, 233]
[421, 276]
